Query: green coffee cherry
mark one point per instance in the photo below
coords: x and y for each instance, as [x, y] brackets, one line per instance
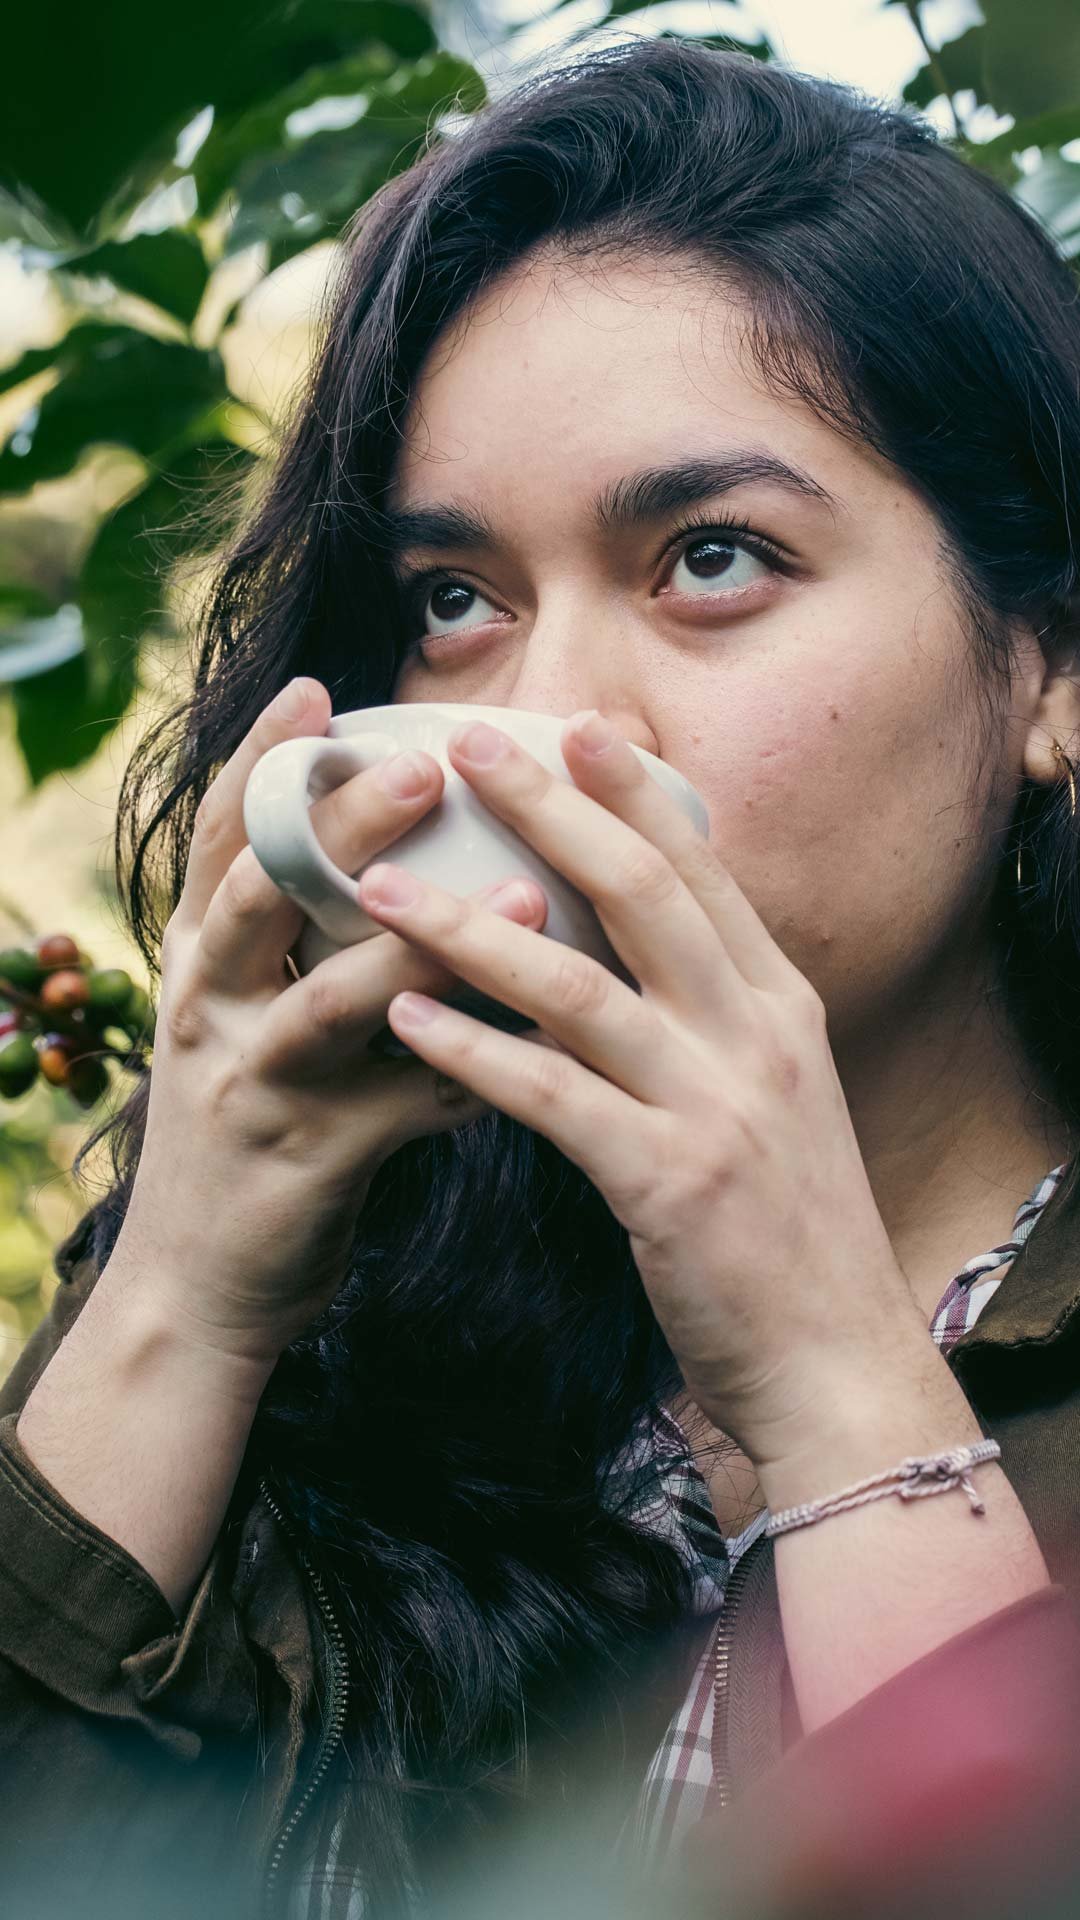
[22, 968]
[110, 991]
[18, 1064]
[139, 1019]
[87, 1081]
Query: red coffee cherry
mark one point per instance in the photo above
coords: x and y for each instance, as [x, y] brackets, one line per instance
[64, 989]
[56, 950]
[55, 1053]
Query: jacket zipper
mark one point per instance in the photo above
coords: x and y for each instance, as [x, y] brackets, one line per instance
[337, 1702]
[722, 1675]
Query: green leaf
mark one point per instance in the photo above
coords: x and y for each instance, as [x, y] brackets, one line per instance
[125, 573]
[66, 354]
[306, 191]
[1033, 55]
[64, 714]
[293, 199]
[130, 390]
[962, 61]
[261, 128]
[1023, 59]
[1041, 130]
[34, 646]
[1052, 193]
[84, 101]
[167, 268]
[20, 602]
[62, 717]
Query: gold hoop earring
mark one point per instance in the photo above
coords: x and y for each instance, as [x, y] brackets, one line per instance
[1063, 760]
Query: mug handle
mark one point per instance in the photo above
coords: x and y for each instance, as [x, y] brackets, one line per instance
[281, 788]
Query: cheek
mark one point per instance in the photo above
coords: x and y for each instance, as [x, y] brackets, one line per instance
[840, 809]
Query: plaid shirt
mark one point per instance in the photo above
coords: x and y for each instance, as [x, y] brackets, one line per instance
[661, 1489]
[678, 1781]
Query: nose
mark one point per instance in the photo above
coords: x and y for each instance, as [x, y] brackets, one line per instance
[559, 675]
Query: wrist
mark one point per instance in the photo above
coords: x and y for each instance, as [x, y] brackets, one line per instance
[861, 1422]
[154, 1336]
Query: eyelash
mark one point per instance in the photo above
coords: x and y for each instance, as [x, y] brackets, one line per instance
[738, 532]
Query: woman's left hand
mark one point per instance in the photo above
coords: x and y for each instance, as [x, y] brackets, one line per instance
[706, 1109]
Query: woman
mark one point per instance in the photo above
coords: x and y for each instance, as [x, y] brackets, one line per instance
[417, 1408]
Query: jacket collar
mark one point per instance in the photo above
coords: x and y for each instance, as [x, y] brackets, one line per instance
[1040, 1294]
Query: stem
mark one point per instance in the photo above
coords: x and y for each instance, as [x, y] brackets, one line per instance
[934, 63]
[16, 913]
[20, 998]
[56, 1020]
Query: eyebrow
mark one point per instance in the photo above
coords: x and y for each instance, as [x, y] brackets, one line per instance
[632, 501]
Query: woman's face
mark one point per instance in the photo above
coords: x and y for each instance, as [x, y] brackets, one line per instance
[811, 675]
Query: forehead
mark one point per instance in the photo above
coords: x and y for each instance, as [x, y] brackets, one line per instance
[573, 369]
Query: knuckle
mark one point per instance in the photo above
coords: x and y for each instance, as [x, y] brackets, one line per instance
[185, 1018]
[329, 1006]
[209, 819]
[643, 875]
[244, 888]
[784, 1068]
[577, 986]
[548, 1076]
[253, 1122]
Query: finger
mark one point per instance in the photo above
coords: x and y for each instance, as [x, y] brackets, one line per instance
[657, 928]
[325, 1020]
[597, 1018]
[629, 877]
[303, 707]
[585, 1117]
[250, 923]
[617, 780]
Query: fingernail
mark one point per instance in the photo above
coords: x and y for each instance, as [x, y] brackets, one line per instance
[390, 886]
[414, 1009]
[480, 744]
[404, 776]
[593, 733]
[292, 700]
[510, 897]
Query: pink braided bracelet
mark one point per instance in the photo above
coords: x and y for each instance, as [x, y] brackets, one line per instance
[913, 1479]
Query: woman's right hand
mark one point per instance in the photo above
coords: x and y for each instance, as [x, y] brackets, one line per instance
[266, 1119]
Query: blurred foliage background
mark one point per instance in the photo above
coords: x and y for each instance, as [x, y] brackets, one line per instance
[172, 185]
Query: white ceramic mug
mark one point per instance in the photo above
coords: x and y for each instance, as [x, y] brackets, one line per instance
[459, 845]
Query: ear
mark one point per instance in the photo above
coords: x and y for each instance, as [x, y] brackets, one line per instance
[1056, 713]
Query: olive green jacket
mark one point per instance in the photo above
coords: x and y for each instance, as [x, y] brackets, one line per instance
[139, 1751]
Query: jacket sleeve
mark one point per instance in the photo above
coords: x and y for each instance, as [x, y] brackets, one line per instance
[951, 1787]
[106, 1696]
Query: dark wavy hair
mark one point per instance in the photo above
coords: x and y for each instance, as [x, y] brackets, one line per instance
[441, 1436]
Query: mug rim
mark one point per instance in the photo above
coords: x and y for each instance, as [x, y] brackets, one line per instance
[470, 710]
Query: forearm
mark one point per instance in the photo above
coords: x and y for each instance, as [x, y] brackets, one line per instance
[865, 1593]
[142, 1431]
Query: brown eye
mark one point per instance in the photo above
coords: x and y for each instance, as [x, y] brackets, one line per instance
[447, 603]
[712, 561]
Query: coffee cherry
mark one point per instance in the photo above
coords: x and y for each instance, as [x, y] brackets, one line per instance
[88, 1079]
[64, 989]
[55, 1052]
[18, 1064]
[109, 992]
[9, 1023]
[56, 950]
[139, 1019]
[22, 968]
